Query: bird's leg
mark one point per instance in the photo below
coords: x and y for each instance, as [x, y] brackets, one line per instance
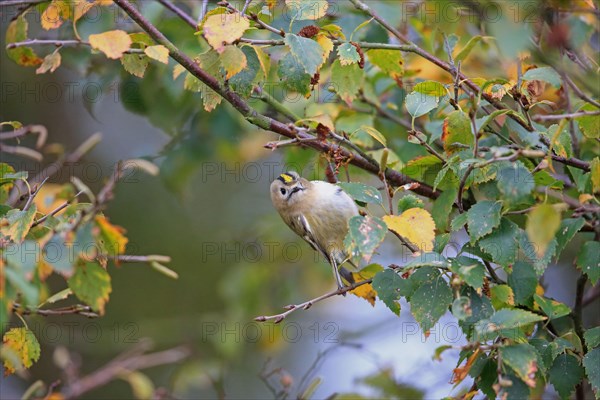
[336, 274]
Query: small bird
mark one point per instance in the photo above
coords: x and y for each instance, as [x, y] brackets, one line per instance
[318, 212]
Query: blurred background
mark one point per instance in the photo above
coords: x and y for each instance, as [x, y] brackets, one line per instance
[210, 211]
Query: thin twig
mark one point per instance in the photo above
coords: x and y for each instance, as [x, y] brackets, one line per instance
[32, 195]
[59, 43]
[307, 304]
[56, 210]
[119, 365]
[554, 117]
[78, 309]
[180, 13]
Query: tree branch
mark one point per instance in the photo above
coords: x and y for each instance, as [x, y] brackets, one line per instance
[307, 304]
[262, 121]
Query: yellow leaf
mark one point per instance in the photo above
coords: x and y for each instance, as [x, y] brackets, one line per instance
[234, 60]
[20, 348]
[80, 8]
[366, 292]
[326, 44]
[178, 70]
[415, 225]
[542, 223]
[111, 43]
[221, 30]
[55, 14]
[158, 53]
[112, 236]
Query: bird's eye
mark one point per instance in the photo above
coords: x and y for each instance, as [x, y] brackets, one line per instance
[283, 191]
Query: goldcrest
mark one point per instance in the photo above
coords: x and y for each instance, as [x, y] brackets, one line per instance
[318, 212]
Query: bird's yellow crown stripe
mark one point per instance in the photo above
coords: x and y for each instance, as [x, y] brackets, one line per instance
[287, 178]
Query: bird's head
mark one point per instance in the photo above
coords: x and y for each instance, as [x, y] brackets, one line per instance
[288, 189]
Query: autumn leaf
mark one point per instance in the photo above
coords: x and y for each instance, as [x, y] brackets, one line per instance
[55, 14]
[111, 236]
[159, 53]
[415, 225]
[223, 29]
[111, 43]
[366, 291]
[51, 63]
[23, 345]
[233, 60]
[17, 32]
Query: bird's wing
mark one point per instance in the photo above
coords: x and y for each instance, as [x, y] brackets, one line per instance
[307, 234]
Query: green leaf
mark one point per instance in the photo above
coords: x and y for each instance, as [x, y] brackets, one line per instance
[386, 284]
[591, 362]
[430, 88]
[292, 76]
[417, 167]
[16, 224]
[530, 250]
[589, 124]
[505, 320]
[389, 61]
[592, 337]
[521, 358]
[543, 178]
[515, 182]
[502, 244]
[588, 260]
[442, 208]
[91, 284]
[243, 82]
[135, 64]
[24, 345]
[457, 129]
[366, 234]
[418, 104]
[546, 74]
[523, 281]
[361, 192]
[470, 270]
[552, 308]
[427, 260]
[409, 201]
[374, 133]
[430, 301]
[17, 32]
[464, 52]
[458, 222]
[348, 54]
[502, 296]
[306, 52]
[306, 9]
[347, 80]
[515, 389]
[482, 218]
[557, 347]
[565, 374]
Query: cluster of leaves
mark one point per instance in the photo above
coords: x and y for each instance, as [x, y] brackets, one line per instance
[46, 230]
[520, 186]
